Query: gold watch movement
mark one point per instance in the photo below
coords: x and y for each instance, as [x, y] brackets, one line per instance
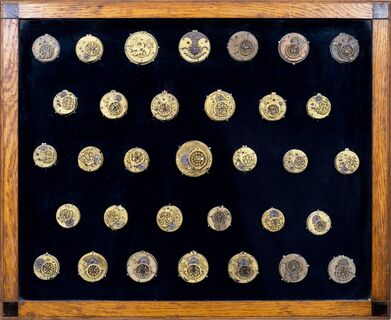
[164, 106]
[115, 217]
[92, 267]
[194, 47]
[89, 49]
[273, 220]
[65, 103]
[318, 223]
[295, 161]
[46, 48]
[193, 267]
[346, 162]
[194, 158]
[293, 268]
[46, 267]
[68, 215]
[45, 156]
[169, 218]
[293, 48]
[90, 159]
[219, 218]
[219, 105]
[142, 266]
[318, 106]
[242, 46]
[141, 48]
[113, 105]
[243, 268]
[136, 160]
[272, 107]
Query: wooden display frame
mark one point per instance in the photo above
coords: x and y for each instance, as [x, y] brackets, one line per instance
[11, 11]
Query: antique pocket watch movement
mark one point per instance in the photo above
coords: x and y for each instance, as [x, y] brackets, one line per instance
[194, 47]
[141, 48]
[318, 223]
[344, 48]
[244, 159]
[89, 49]
[68, 215]
[194, 158]
[219, 218]
[46, 267]
[136, 160]
[65, 102]
[169, 218]
[45, 156]
[243, 268]
[242, 46]
[318, 106]
[342, 269]
[346, 162]
[193, 267]
[293, 48]
[219, 105]
[46, 48]
[295, 161]
[113, 105]
[273, 220]
[272, 107]
[164, 106]
[142, 266]
[92, 267]
[90, 159]
[293, 268]
[115, 217]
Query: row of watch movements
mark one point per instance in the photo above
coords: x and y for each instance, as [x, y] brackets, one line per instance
[142, 48]
[193, 267]
[193, 159]
[169, 218]
[218, 106]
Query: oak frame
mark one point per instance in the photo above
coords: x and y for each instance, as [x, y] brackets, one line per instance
[11, 12]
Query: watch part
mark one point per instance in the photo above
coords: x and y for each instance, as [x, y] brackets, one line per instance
[342, 269]
[242, 46]
[244, 159]
[293, 48]
[193, 267]
[194, 47]
[142, 266]
[194, 158]
[141, 48]
[346, 162]
[115, 217]
[318, 223]
[68, 215]
[273, 220]
[295, 161]
[65, 102]
[46, 267]
[92, 267]
[45, 156]
[243, 268]
[293, 268]
[90, 159]
[89, 49]
[219, 105]
[136, 160]
[113, 105]
[272, 107]
[344, 48]
[164, 106]
[219, 218]
[169, 218]
[318, 106]
[46, 48]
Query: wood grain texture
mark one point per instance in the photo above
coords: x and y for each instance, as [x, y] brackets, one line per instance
[381, 161]
[196, 308]
[194, 9]
[9, 156]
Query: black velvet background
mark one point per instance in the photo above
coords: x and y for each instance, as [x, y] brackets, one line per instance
[347, 199]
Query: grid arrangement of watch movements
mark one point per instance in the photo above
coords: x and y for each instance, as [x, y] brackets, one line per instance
[195, 159]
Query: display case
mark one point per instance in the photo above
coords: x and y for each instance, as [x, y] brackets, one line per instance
[290, 227]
